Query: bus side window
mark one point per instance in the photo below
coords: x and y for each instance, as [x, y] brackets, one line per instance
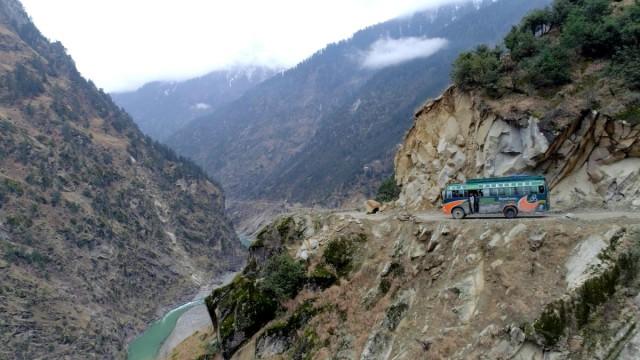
[501, 192]
[449, 194]
[522, 190]
[533, 190]
[457, 193]
[541, 189]
[508, 191]
[493, 192]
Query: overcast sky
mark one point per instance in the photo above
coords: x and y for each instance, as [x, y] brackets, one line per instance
[121, 44]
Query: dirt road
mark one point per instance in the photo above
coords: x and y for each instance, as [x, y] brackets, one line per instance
[428, 216]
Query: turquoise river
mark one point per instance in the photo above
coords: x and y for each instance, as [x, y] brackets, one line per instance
[147, 345]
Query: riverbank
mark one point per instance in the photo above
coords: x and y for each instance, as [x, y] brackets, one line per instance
[176, 325]
[193, 320]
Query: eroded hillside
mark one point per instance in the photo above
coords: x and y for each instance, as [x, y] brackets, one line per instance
[589, 154]
[412, 285]
[560, 98]
[100, 227]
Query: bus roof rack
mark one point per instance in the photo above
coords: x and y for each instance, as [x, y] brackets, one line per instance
[505, 178]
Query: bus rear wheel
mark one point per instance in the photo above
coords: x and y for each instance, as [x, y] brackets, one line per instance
[510, 212]
[458, 213]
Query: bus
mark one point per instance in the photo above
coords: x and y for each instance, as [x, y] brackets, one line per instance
[508, 196]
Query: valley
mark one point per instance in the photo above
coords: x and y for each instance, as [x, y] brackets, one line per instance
[253, 234]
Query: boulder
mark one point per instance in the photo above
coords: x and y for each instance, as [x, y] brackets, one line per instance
[372, 206]
[238, 311]
[536, 241]
[514, 232]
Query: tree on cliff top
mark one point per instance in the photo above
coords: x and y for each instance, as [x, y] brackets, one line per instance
[543, 47]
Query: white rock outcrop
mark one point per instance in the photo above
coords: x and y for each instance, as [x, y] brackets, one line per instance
[587, 157]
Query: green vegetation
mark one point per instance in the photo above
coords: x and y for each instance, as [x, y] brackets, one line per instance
[282, 231]
[625, 63]
[576, 313]
[24, 82]
[388, 190]
[322, 277]
[297, 320]
[283, 276]
[480, 68]
[394, 314]
[14, 254]
[340, 253]
[395, 270]
[542, 49]
[301, 343]
[12, 187]
[245, 308]
[552, 323]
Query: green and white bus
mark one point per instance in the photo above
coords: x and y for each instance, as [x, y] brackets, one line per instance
[509, 196]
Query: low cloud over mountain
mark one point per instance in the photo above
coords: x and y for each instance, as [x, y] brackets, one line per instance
[388, 52]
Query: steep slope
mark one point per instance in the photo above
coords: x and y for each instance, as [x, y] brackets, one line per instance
[578, 122]
[100, 227]
[408, 283]
[161, 108]
[589, 155]
[416, 286]
[328, 127]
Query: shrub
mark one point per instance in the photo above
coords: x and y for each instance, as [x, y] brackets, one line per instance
[12, 186]
[626, 65]
[15, 254]
[24, 83]
[587, 28]
[388, 190]
[550, 67]
[521, 44]
[56, 196]
[479, 68]
[340, 253]
[283, 276]
[590, 38]
[322, 277]
[538, 22]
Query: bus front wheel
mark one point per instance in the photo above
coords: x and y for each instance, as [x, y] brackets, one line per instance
[510, 212]
[458, 213]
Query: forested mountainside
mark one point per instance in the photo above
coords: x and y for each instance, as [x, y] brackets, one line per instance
[100, 227]
[163, 107]
[328, 127]
[408, 284]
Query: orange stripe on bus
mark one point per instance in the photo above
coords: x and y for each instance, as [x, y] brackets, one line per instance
[448, 207]
[525, 206]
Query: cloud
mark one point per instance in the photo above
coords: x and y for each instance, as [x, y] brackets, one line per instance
[121, 44]
[388, 52]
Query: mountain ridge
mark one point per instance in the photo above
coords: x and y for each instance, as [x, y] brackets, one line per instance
[161, 108]
[263, 144]
[100, 226]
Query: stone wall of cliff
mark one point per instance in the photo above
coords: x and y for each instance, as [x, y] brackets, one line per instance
[589, 155]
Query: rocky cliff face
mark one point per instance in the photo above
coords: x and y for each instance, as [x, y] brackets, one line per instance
[414, 286]
[409, 284]
[100, 227]
[587, 147]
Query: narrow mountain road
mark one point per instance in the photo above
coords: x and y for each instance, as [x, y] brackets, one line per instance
[434, 215]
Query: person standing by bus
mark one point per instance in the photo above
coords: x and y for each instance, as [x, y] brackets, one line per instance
[472, 202]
